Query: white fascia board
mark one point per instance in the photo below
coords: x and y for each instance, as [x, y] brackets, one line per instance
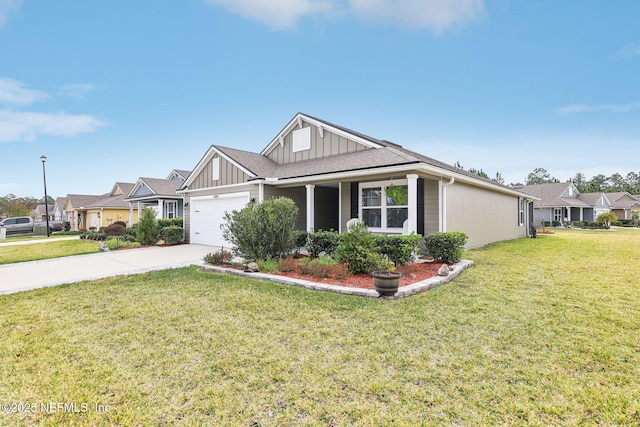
[220, 187]
[294, 122]
[203, 162]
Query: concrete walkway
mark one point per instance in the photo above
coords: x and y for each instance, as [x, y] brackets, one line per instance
[24, 276]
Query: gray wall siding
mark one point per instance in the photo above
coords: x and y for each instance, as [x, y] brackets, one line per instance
[328, 145]
[299, 197]
[229, 174]
[431, 206]
[345, 204]
[486, 216]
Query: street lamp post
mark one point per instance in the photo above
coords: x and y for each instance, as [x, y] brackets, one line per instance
[46, 199]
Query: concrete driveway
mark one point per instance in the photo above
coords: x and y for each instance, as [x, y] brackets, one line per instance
[39, 274]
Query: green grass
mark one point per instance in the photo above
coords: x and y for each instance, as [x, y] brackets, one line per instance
[540, 332]
[10, 254]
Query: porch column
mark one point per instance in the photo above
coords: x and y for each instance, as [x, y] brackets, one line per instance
[130, 214]
[412, 189]
[310, 207]
[160, 209]
[581, 214]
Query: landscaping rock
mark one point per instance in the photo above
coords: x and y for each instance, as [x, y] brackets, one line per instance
[444, 270]
[251, 267]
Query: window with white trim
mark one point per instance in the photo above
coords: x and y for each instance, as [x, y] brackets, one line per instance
[557, 214]
[170, 209]
[384, 205]
[520, 211]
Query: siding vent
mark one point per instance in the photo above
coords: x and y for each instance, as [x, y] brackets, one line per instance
[301, 139]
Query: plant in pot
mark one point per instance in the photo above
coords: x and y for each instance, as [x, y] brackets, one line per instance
[396, 251]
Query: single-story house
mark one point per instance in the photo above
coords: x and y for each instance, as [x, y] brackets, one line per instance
[562, 202]
[623, 204]
[158, 194]
[334, 174]
[86, 212]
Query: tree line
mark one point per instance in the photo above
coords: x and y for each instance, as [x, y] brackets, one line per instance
[11, 206]
[597, 184]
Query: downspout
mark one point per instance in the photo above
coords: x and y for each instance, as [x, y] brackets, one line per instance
[443, 202]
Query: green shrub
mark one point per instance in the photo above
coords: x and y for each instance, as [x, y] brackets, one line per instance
[446, 247]
[398, 249]
[322, 241]
[268, 265]
[300, 238]
[172, 235]
[131, 231]
[607, 219]
[147, 229]
[357, 249]
[264, 231]
[93, 235]
[117, 243]
[170, 222]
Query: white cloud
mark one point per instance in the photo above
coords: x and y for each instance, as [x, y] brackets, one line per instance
[609, 108]
[279, 14]
[5, 7]
[434, 15]
[77, 90]
[13, 92]
[630, 50]
[26, 126]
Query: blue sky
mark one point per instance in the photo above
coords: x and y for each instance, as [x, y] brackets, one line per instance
[113, 91]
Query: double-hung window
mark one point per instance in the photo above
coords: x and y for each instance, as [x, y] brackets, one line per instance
[384, 205]
[520, 211]
[170, 209]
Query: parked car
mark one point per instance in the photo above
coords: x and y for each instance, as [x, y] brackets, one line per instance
[54, 225]
[18, 224]
[25, 224]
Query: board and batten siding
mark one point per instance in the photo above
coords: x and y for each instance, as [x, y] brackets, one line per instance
[486, 216]
[229, 174]
[299, 197]
[330, 144]
[431, 207]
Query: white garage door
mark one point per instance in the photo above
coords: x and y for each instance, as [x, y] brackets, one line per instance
[207, 214]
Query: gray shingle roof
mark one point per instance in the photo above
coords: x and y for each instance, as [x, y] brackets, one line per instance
[159, 187]
[84, 200]
[550, 195]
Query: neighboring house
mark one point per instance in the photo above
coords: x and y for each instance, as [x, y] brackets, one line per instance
[40, 213]
[562, 202]
[75, 209]
[334, 174]
[58, 211]
[87, 212]
[159, 194]
[623, 204]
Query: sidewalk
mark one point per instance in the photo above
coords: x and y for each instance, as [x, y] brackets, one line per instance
[39, 274]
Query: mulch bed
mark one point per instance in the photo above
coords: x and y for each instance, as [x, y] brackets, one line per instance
[411, 273]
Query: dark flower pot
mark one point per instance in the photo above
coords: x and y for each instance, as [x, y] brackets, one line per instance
[386, 282]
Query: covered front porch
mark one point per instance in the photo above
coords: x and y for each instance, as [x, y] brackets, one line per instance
[391, 204]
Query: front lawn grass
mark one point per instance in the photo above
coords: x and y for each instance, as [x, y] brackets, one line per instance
[540, 332]
[10, 254]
